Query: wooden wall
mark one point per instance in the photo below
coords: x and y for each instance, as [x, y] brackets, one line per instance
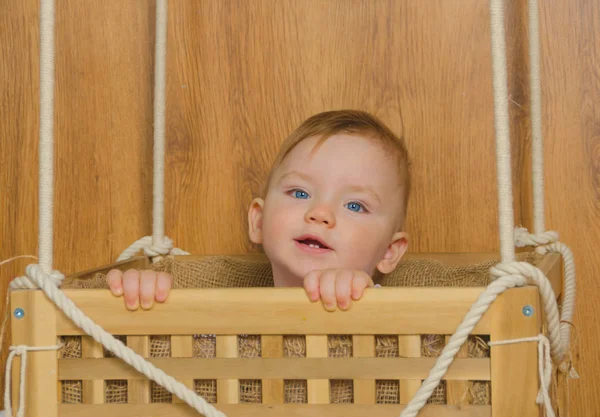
[243, 74]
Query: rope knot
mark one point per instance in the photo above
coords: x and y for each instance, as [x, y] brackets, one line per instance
[151, 250]
[33, 273]
[516, 269]
[524, 238]
[162, 248]
[544, 368]
[19, 350]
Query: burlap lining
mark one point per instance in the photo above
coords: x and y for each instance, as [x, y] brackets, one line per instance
[231, 271]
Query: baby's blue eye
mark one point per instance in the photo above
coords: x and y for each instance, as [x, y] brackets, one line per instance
[300, 194]
[354, 206]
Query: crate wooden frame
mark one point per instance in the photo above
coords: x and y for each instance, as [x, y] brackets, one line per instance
[272, 313]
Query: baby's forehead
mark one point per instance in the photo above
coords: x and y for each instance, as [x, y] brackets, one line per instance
[340, 167]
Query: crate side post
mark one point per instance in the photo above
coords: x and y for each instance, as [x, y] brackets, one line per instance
[515, 314]
[35, 326]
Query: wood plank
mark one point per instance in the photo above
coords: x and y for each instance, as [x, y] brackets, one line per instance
[450, 258]
[318, 390]
[552, 267]
[270, 410]
[280, 311]
[272, 389]
[138, 390]
[182, 347]
[93, 390]
[364, 389]
[275, 368]
[515, 366]
[455, 389]
[410, 347]
[35, 329]
[228, 390]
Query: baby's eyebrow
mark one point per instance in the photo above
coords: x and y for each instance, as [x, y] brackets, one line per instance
[296, 173]
[365, 189]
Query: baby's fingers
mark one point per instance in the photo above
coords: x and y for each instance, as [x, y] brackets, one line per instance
[359, 283]
[343, 288]
[147, 288]
[311, 285]
[164, 282]
[114, 280]
[131, 288]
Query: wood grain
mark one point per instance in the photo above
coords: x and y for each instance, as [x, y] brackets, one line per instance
[242, 75]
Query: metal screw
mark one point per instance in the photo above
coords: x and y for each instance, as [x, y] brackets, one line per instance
[19, 313]
[528, 311]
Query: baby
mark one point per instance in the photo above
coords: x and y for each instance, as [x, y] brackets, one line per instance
[331, 214]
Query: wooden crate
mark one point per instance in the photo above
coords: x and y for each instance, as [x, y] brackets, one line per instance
[272, 313]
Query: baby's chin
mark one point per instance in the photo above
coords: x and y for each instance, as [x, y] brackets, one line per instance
[293, 275]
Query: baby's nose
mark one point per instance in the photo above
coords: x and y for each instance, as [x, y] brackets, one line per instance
[321, 215]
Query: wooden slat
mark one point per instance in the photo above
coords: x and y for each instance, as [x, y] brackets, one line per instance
[451, 258]
[93, 390]
[280, 311]
[182, 347]
[272, 389]
[514, 366]
[409, 347]
[228, 390]
[270, 410]
[318, 391]
[138, 390]
[552, 267]
[456, 390]
[364, 389]
[35, 329]
[276, 368]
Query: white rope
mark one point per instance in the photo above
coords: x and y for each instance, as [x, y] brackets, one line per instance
[46, 142]
[42, 280]
[544, 368]
[158, 226]
[151, 249]
[20, 350]
[537, 141]
[548, 242]
[513, 274]
[158, 244]
[444, 361]
[501, 122]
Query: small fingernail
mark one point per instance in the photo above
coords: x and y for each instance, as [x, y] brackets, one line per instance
[132, 306]
[344, 306]
[118, 291]
[146, 305]
[329, 307]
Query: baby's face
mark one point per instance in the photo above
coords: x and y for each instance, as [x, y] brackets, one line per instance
[333, 207]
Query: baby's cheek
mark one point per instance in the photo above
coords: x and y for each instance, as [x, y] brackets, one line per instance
[365, 248]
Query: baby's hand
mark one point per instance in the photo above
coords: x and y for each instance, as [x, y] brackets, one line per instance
[140, 287]
[336, 286]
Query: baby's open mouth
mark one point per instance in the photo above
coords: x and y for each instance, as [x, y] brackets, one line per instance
[313, 243]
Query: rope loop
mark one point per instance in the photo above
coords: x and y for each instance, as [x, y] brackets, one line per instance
[41, 279]
[150, 249]
[523, 238]
[544, 368]
[20, 350]
[536, 277]
[25, 282]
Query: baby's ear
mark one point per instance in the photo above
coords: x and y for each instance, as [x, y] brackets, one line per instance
[394, 253]
[255, 213]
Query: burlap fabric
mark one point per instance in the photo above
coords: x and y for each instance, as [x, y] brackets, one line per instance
[231, 271]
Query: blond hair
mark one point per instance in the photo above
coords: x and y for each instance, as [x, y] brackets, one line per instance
[330, 123]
